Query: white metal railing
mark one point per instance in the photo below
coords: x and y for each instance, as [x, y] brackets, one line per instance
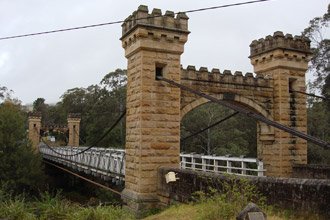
[110, 162]
[222, 164]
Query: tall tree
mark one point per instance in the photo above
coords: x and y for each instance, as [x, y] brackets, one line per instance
[5, 93]
[20, 167]
[99, 106]
[318, 110]
[320, 62]
[235, 136]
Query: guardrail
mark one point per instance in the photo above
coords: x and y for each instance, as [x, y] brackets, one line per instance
[223, 164]
[109, 163]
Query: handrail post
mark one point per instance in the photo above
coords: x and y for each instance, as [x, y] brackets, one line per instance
[260, 168]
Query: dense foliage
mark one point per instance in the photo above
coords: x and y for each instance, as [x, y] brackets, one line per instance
[320, 62]
[99, 106]
[21, 168]
[235, 136]
[318, 109]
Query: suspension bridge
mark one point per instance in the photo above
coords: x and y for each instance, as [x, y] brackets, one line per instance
[160, 92]
[109, 163]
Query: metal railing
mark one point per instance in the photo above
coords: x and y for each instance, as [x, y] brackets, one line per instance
[222, 164]
[109, 163]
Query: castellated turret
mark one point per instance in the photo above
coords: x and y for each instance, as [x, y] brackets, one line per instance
[154, 31]
[280, 50]
[141, 17]
[280, 41]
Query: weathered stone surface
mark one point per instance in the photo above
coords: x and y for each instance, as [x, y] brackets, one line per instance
[305, 195]
[251, 212]
[285, 60]
[153, 45]
[153, 107]
[311, 171]
[74, 129]
[34, 129]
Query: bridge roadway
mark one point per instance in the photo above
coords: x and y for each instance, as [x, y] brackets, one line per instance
[109, 163]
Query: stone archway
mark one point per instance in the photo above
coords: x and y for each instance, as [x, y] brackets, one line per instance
[153, 44]
[265, 133]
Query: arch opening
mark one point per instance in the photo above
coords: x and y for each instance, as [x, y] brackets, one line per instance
[235, 136]
[248, 137]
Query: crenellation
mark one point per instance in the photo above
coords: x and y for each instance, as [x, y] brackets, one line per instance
[215, 71]
[248, 74]
[227, 73]
[155, 19]
[280, 41]
[203, 69]
[189, 67]
[34, 114]
[248, 79]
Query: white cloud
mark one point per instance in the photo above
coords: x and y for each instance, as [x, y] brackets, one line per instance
[46, 66]
[4, 56]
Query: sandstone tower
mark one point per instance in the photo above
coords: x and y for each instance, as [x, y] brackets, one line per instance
[74, 128]
[34, 128]
[153, 44]
[285, 60]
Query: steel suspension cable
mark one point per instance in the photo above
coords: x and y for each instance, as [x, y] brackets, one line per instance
[122, 21]
[250, 114]
[309, 94]
[211, 126]
[93, 144]
[84, 178]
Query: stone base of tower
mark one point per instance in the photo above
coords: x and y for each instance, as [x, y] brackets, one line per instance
[139, 203]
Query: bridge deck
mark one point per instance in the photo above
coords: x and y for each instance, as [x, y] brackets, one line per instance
[109, 163]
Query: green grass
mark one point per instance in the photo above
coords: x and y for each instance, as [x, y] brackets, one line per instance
[234, 196]
[210, 205]
[50, 207]
[218, 210]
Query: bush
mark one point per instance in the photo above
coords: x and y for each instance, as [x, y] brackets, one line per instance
[20, 167]
[54, 207]
[15, 209]
[234, 195]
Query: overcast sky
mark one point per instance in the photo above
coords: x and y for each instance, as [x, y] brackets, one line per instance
[48, 65]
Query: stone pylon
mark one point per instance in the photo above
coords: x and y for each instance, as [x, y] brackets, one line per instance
[285, 60]
[74, 129]
[34, 121]
[153, 44]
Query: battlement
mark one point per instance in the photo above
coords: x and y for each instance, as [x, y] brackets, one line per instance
[226, 77]
[53, 126]
[74, 116]
[169, 21]
[280, 41]
[34, 114]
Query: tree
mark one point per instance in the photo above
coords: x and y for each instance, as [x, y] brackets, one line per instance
[318, 123]
[99, 106]
[320, 62]
[39, 105]
[20, 167]
[235, 136]
[115, 80]
[5, 93]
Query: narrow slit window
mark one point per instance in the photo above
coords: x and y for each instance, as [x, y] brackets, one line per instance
[292, 84]
[159, 70]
